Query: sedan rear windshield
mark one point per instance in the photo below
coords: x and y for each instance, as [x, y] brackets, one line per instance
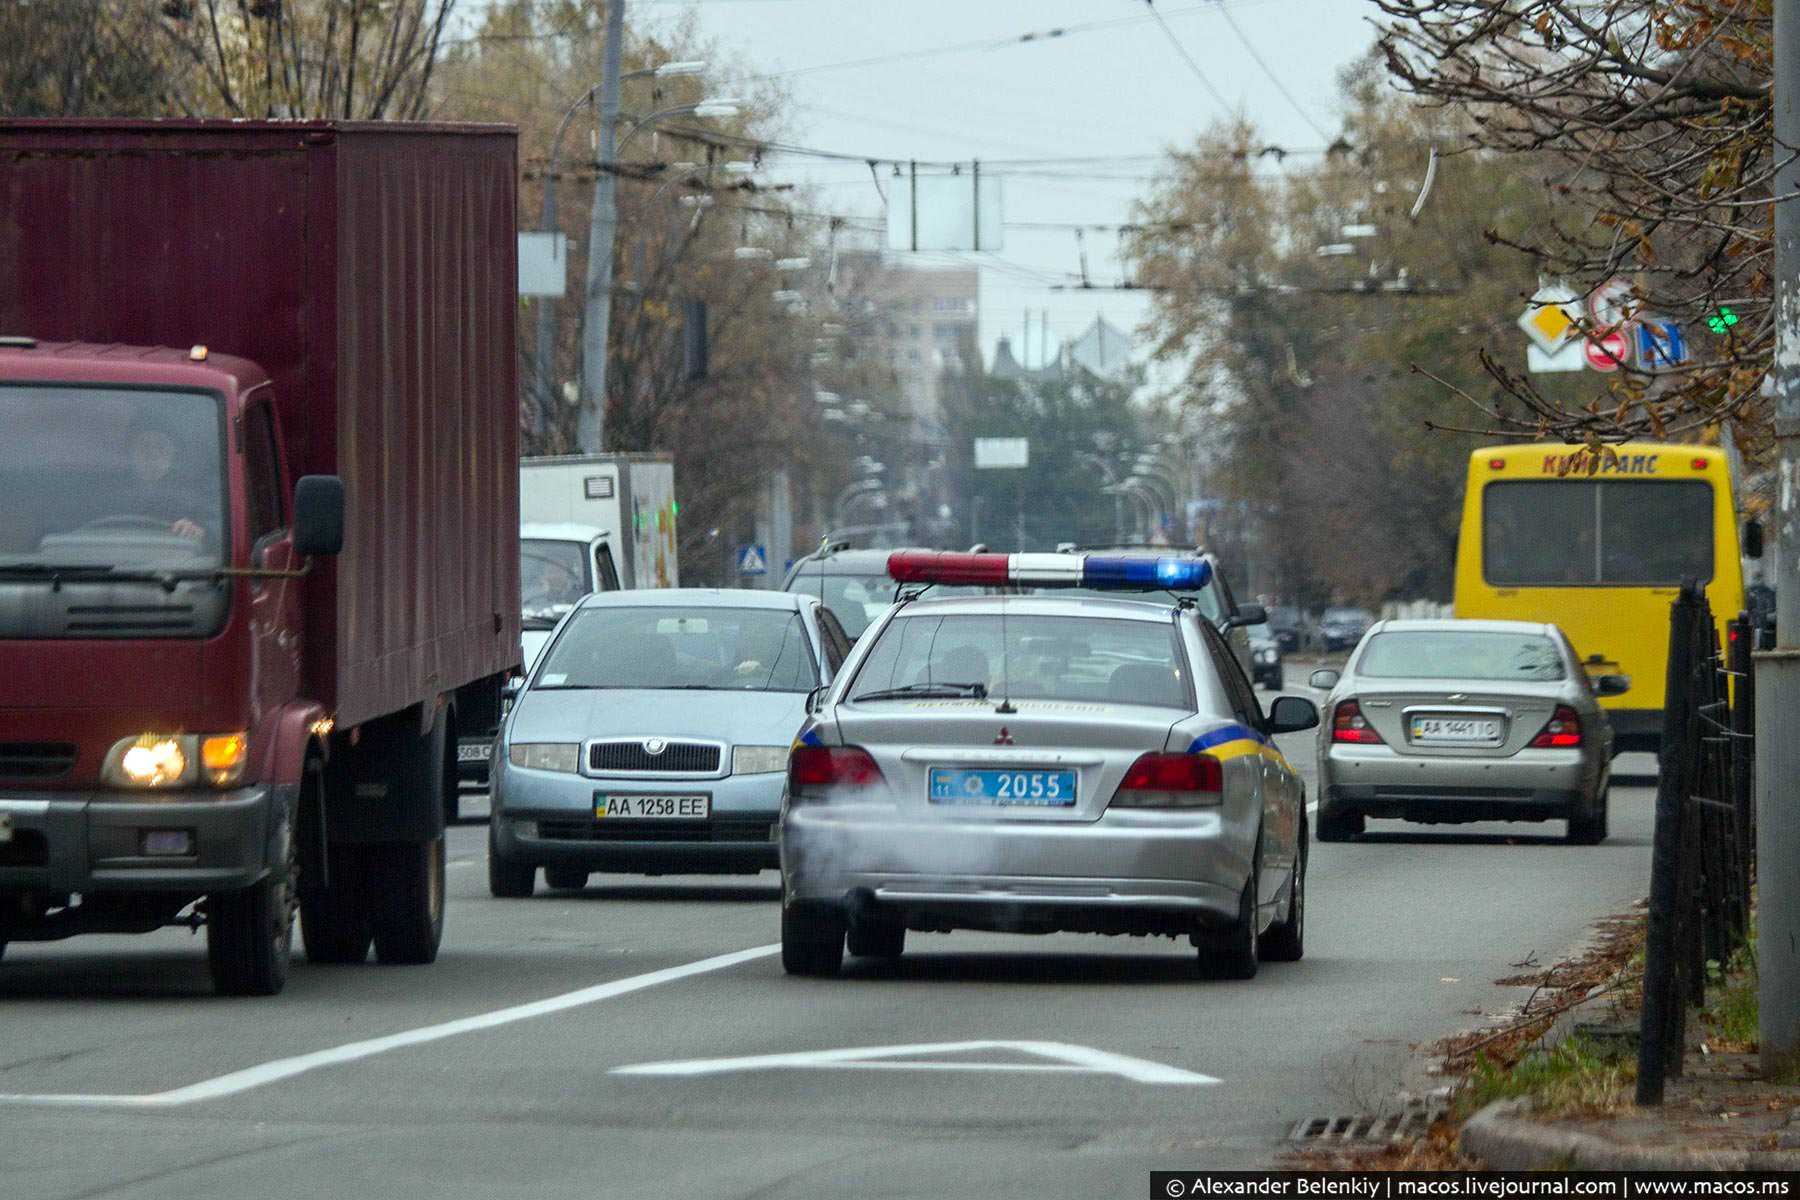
[1102, 660]
[1431, 654]
[664, 646]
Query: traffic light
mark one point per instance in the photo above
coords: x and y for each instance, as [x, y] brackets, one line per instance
[1722, 320]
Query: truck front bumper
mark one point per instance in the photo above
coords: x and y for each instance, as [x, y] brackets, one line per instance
[109, 841]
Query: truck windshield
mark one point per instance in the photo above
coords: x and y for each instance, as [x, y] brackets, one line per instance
[110, 477]
[552, 578]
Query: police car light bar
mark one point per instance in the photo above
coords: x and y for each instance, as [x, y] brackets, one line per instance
[1049, 570]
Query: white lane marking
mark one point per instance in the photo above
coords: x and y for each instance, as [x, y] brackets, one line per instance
[1080, 1060]
[286, 1068]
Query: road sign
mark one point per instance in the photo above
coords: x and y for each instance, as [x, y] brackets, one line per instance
[1002, 453]
[1660, 345]
[752, 560]
[1611, 304]
[1566, 358]
[1551, 318]
[1606, 352]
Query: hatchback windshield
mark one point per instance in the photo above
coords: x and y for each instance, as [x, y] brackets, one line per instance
[110, 477]
[924, 655]
[1455, 654]
[664, 646]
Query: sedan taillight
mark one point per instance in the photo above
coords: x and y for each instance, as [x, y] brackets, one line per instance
[1349, 725]
[1171, 781]
[1562, 732]
[814, 768]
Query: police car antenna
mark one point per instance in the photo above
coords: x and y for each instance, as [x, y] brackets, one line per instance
[1006, 705]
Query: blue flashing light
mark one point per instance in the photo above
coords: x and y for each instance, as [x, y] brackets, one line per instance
[1176, 574]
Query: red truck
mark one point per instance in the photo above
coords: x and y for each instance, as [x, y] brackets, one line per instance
[258, 525]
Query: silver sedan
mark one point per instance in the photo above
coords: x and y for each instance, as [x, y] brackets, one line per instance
[1041, 764]
[1451, 721]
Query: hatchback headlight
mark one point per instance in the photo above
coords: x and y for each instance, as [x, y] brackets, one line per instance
[545, 756]
[758, 760]
[1265, 656]
[156, 761]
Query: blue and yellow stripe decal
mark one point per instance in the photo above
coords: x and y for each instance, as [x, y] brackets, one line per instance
[1235, 741]
[809, 735]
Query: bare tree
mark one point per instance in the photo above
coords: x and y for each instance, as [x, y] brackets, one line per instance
[349, 59]
[1657, 117]
[68, 58]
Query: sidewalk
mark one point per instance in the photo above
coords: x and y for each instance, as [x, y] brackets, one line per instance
[1564, 1069]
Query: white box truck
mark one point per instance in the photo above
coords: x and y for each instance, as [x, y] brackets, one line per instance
[630, 497]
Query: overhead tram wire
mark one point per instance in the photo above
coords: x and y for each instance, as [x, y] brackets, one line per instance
[1270, 74]
[1182, 50]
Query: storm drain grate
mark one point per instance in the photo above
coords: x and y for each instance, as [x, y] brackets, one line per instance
[1411, 1122]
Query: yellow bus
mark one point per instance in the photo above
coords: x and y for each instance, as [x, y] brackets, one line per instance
[1598, 543]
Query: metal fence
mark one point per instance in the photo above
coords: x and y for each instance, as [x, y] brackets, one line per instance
[1702, 854]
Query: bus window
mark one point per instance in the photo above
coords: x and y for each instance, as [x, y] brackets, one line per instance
[1597, 533]
[1656, 533]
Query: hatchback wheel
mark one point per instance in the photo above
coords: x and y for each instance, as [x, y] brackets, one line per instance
[508, 880]
[568, 878]
[811, 944]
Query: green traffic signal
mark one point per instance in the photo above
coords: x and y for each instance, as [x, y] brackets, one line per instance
[1722, 320]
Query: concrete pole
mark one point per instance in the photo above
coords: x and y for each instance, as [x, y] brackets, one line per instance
[591, 429]
[1778, 671]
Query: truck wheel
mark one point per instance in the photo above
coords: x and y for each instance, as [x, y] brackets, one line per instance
[406, 899]
[508, 880]
[333, 921]
[250, 932]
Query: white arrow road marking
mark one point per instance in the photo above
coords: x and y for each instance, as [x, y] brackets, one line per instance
[286, 1068]
[1062, 1056]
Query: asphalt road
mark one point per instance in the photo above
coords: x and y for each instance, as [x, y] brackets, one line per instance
[638, 1039]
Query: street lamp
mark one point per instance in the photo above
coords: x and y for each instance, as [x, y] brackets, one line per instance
[591, 425]
[546, 330]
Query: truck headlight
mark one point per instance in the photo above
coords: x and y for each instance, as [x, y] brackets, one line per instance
[758, 760]
[545, 756]
[172, 760]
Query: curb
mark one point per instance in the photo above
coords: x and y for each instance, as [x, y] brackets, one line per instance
[1502, 1136]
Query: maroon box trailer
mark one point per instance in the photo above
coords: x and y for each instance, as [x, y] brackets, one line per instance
[258, 525]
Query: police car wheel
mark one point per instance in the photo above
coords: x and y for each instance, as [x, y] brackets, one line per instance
[1231, 952]
[811, 944]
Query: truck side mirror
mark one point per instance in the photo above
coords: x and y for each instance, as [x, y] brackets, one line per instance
[1753, 539]
[318, 515]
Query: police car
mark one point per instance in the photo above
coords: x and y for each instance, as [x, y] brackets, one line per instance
[1044, 763]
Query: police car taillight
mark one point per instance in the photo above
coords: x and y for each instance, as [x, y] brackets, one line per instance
[1171, 781]
[1349, 725]
[1049, 570]
[814, 767]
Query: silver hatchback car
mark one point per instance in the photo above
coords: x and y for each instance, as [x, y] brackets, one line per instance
[1452, 721]
[1040, 764]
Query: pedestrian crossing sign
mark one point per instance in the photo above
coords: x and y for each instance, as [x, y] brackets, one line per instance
[752, 560]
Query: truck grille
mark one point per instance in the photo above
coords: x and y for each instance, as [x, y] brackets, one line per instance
[676, 758]
[36, 760]
[130, 620]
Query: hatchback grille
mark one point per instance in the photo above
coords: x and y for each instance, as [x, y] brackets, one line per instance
[677, 758]
[655, 831]
[36, 760]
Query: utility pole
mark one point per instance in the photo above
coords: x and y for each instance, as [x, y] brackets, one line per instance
[1778, 670]
[590, 433]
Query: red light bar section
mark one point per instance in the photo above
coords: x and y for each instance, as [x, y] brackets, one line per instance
[947, 566]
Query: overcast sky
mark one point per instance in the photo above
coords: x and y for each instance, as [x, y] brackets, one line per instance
[1118, 83]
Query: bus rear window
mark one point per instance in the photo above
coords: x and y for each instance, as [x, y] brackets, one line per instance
[1597, 533]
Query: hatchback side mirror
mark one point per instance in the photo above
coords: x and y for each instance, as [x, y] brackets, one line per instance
[1324, 679]
[318, 515]
[1291, 714]
[1612, 685]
